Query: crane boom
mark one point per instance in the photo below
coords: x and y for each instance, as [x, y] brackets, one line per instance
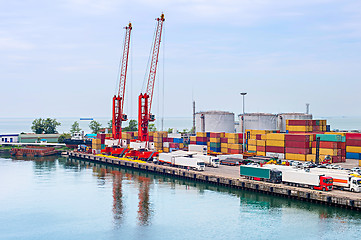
[118, 100]
[145, 100]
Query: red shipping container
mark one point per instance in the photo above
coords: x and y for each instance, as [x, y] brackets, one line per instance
[336, 159]
[234, 151]
[201, 139]
[215, 135]
[353, 142]
[353, 136]
[224, 140]
[297, 137]
[192, 142]
[298, 150]
[259, 136]
[240, 140]
[261, 148]
[299, 122]
[165, 139]
[151, 138]
[296, 144]
[329, 145]
[341, 145]
[170, 140]
[275, 149]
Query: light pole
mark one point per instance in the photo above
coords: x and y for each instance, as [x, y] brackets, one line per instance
[243, 130]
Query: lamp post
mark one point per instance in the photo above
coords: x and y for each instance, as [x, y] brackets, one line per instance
[243, 130]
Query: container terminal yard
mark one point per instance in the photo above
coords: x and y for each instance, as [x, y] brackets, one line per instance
[288, 154]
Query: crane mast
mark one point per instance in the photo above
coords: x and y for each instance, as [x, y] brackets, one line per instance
[145, 100]
[118, 100]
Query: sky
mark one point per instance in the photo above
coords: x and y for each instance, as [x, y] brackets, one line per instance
[60, 58]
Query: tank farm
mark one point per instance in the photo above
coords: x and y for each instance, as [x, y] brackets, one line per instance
[287, 154]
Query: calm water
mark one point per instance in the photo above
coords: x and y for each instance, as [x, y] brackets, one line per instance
[58, 198]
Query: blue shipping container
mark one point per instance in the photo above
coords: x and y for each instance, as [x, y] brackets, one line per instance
[350, 155]
[201, 143]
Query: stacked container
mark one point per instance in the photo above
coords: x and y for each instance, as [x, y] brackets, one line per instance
[233, 143]
[275, 144]
[158, 140]
[353, 146]
[297, 146]
[332, 145]
[201, 138]
[215, 141]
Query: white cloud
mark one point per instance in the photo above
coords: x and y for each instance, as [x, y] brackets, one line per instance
[8, 43]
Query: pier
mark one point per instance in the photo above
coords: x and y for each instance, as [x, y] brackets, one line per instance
[229, 176]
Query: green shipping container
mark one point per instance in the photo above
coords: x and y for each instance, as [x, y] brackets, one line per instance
[257, 172]
[215, 145]
[331, 138]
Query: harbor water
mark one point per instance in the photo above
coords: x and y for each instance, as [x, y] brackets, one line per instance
[63, 198]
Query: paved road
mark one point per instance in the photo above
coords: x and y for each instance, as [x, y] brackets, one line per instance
[233, 172]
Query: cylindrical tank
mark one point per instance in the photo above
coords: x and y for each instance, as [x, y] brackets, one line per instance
[282, 117]
[215, 121]
[258, 121]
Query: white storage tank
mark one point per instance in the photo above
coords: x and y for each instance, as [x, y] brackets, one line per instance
[258, 121]
[215, 121]
[282, 117]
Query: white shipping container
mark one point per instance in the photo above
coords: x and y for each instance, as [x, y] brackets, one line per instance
[197, 148]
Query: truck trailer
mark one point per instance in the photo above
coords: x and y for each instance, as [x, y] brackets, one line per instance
[182, 160]
[301, 178]
[261, 174]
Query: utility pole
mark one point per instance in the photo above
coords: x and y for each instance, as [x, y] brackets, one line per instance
[194, 117]
[307, 108]
[243, 127]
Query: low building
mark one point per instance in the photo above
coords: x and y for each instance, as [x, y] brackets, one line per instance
[9, 138]
[37, 138]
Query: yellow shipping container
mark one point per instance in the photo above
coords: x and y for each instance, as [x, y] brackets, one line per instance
[275, 136]
[298, 157]
[224, 145]
[224, 150]
[208, 144]
[336, 133]
[252, 142]
[193, 138]
[359, 162]
[261, 142]
[231, 135]
[353, 149]
[261, 153]
[181, 145]
[166, 150]
[326, 151]
[232, 140]
[311, 157]
[235, 146]
[215, 140]
[252, 136]
[299, 128]
[222, 134]
[252, 148]
[275, 143]
[201, 134]
[255, 132]
[157, 139]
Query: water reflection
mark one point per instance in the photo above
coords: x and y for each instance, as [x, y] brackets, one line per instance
[118, 210]
[248, 199]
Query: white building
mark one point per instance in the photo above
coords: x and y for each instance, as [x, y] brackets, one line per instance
[9, 138]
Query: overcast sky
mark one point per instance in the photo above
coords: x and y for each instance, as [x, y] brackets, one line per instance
[61, 58]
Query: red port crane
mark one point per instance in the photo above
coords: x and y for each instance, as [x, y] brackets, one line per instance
[145, 99]
[118, 100]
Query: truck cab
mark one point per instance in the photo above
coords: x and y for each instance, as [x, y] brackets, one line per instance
[275, 176]
[215, 162]
[326, 184]
[355, 184]
[201, 166]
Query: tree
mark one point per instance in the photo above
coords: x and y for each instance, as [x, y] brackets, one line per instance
[132, 126]
[110, 124]
[75, 127]
[152, 127]
[170, 130]
[47, 126]
[95, 126]
[63, 136]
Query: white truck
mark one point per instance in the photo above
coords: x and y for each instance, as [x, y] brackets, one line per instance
[341, 179]
[200, 151]
[182, 160]
[306, 179]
